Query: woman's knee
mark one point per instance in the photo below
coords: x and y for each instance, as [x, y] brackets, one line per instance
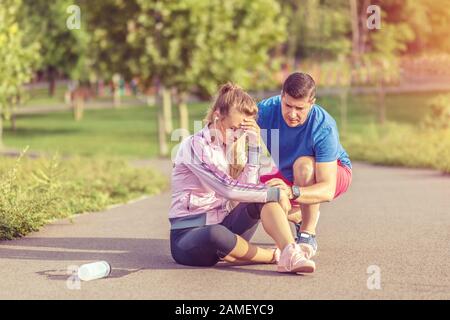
[270, 206]
[200, 256]
[254, 210]
[194, 248]
[196, 261]
[273, 209]
[220, 237]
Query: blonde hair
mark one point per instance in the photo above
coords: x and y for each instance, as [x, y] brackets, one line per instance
[231, 96]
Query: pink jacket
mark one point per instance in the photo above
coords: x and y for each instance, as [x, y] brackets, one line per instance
[202, 188]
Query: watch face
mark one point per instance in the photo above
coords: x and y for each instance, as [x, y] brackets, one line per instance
[296, 191]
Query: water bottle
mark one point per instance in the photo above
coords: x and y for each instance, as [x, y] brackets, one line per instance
[95, 270]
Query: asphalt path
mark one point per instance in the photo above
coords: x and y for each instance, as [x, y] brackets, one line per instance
[387, 238]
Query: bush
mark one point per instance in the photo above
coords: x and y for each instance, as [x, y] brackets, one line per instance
[403, 145]
[34, 192]
[439, 117]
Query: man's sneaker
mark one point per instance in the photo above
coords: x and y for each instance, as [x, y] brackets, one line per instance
[297, 228]
[292, 259]
[307, 243]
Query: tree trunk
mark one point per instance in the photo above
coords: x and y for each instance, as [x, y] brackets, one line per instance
[184, 114]
[381, 103]
[1, 129]
[51, 81]
[68, 98]
[163, 147]
[167, 109]
[344, 109]
[100, 88]
[355, 30]
[291, 51]
[363, 30]
[78, 107]
[13, 122]
[116, 98]
[162, 138]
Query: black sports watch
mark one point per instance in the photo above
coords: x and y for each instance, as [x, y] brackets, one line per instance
[295, 192]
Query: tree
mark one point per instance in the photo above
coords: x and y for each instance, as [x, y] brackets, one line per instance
[184, 46]
[229, 42]
[17, 58]
[192, 46]
[375, 54]
[317, 28]
[62, 50]
[108, 22]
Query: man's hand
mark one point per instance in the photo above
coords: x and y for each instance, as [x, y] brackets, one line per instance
[276, 182]
[284, 202]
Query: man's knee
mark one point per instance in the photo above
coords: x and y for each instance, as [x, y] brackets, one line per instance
[304, 171]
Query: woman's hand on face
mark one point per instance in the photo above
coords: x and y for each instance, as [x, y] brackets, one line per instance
[250, 126]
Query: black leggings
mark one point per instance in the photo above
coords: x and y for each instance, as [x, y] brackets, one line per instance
[205, 246]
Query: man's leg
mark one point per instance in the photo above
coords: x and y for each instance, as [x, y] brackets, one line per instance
[304, 175]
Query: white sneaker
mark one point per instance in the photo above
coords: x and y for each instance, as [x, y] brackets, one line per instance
[293, 260]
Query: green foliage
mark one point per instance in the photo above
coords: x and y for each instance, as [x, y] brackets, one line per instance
[18, 58]
[321, 29]
[439, 115]
[108, 23]
[33, 192]
[23, 208]
[61, 49]
[379, 63]
[236, 41]
[401, 145]
[426, 20]
[189, 45]
[317, 28]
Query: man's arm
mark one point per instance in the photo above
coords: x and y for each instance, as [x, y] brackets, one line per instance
[325, 151]
[322, 191]
[324, 188]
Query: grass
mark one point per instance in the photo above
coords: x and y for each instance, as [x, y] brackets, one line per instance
[39, 96]
[34, 192]
[132, 132]
[128, 132]
[402, 140]
[122, 132]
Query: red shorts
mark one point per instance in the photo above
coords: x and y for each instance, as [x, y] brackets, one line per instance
[343, 179]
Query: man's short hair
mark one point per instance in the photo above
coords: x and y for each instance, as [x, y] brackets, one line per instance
[300, 86]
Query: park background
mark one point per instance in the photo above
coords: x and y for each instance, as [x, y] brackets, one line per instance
[92, 91]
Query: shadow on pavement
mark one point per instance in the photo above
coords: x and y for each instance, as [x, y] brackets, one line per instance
[126, 256]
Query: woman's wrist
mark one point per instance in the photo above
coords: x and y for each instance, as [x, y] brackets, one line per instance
[273, 194]
[254, 139]
[253, 155]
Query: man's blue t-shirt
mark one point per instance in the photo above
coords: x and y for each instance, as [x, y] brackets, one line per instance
[317, 137]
